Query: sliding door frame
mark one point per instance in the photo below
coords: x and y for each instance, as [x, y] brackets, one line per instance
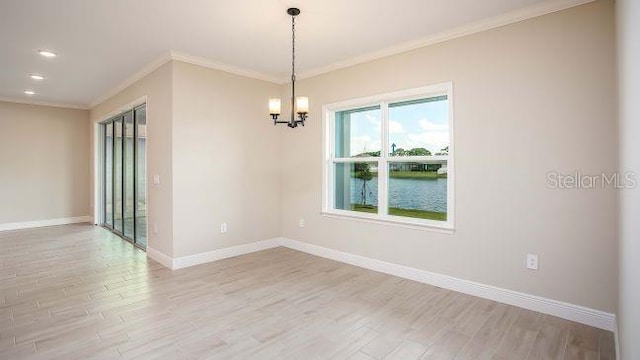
[112, 121]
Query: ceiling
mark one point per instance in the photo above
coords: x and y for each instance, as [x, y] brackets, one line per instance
[100, 43]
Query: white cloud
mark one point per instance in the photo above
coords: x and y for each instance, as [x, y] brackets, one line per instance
[363, 143]
[429, 125]
[431, 135]
[433, 141]
[395, 127]
[374, 121]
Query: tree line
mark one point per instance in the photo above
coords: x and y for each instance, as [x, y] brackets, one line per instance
[402, 152]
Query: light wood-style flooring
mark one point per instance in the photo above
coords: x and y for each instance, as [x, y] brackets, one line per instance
[77, 292]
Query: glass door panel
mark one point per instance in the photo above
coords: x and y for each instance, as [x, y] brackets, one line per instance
[117, 179]
[108, 174]
[124, 162]
[141, 177]
[129, 194]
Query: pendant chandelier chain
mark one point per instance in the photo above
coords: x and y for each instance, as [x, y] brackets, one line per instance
[293, 49]
[299, 105]
[293, 68]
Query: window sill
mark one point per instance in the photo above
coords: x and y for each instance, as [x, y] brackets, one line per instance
[445, 228]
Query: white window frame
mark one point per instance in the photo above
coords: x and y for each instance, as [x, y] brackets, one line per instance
[329, 159]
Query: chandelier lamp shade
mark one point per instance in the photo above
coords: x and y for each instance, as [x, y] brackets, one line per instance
[300, 104]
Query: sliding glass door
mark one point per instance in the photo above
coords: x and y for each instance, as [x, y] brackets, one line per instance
[117, 179]
[141, 176]
[108, 171]
[127, 178]
[124, 161]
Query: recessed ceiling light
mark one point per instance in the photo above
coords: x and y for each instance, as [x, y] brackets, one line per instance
[47, 53]
[36, 76]
[29, 92]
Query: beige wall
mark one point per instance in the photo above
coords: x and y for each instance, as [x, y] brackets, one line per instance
[157, 88]
[216, 154]
[44, 163]
[628, 12]
[225, 160]
[531, 97]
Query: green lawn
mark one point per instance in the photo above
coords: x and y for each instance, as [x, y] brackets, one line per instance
[418, 175]
[420, 214]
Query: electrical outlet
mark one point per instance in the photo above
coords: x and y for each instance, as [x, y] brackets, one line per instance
[155, 227]
[156, 179]
[223, 228]
[532, 262]
[301, 223]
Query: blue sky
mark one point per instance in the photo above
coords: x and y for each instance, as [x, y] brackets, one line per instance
[411, 126]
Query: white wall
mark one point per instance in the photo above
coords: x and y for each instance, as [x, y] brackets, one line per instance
[225, 160]
[157, 88]
[44, 163]
[628, 12]
[531, 97]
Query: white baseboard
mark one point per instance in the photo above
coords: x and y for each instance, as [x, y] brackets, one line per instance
[577, 313]
[43, 223]
[160, 257]
[209, 256]
[197, 259]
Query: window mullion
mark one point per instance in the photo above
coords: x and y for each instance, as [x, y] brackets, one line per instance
[383, 167]
[331, 198]
[329, 180]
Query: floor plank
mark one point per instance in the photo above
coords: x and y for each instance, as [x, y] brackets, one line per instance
[78, 291]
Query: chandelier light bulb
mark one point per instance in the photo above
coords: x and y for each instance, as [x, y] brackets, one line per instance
[302, 104]
[274, 106]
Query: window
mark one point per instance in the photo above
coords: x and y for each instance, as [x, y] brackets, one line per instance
[389, 158]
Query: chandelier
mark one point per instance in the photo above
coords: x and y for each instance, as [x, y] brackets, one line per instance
[300, 104]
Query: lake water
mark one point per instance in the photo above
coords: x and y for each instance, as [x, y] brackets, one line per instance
[423, 194]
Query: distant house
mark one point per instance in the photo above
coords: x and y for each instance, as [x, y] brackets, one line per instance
[415, 166]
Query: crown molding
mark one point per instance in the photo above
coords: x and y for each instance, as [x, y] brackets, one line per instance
[146, 70]
[43, 103]
[544, 8]
[208, 63]
[186, 58]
